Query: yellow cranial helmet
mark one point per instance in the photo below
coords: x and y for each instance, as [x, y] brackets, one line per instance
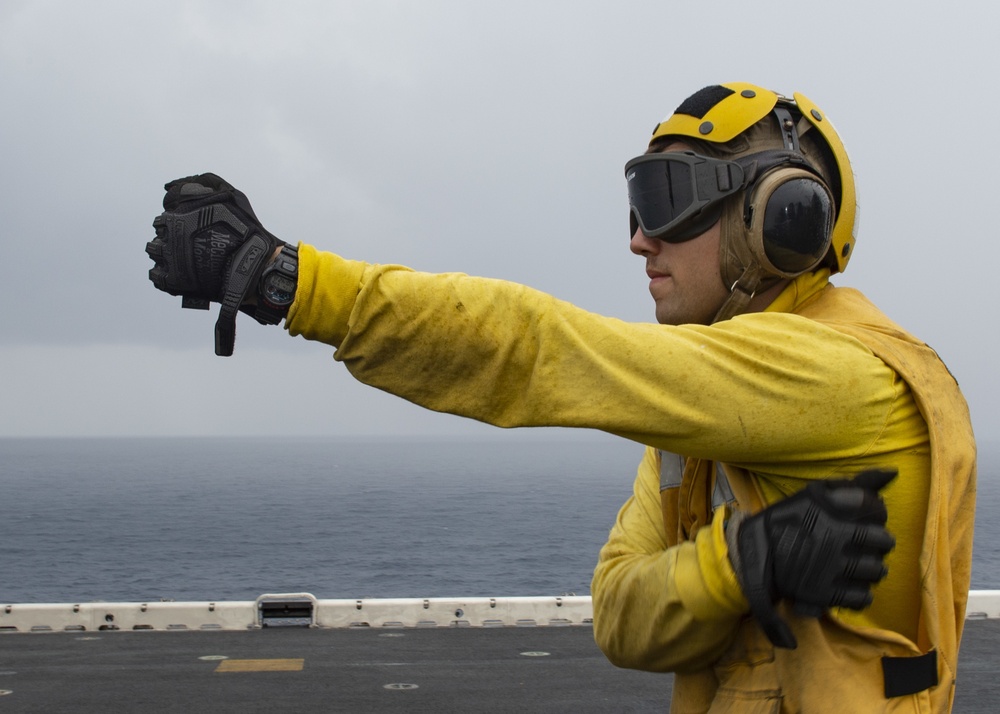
[743, 121]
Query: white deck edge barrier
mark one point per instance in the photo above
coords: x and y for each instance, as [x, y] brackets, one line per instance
[303, 609]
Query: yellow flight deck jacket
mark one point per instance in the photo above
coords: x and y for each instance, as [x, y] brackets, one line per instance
[820, 385]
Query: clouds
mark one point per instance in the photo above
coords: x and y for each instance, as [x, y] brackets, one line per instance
[482, 137]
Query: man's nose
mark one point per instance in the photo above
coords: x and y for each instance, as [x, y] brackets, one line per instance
[641, 244]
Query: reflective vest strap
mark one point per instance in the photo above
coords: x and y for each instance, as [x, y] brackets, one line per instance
[909, 675]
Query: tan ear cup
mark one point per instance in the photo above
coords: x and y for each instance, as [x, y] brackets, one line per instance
[745, 256]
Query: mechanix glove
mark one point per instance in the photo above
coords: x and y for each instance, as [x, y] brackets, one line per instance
[209, 246]
[823, 547]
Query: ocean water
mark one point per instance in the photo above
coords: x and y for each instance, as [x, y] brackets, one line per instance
[230, 519]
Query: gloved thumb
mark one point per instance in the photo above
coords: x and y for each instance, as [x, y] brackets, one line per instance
[874, 479]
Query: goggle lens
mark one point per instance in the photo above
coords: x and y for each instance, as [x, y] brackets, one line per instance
[660, 191]
[672, 196]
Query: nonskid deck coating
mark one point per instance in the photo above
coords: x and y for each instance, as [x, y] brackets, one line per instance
[511, 669]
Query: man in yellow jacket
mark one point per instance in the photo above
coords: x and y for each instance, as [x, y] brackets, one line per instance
[751, 560]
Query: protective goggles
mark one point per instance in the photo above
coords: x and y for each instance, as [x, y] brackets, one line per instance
[677, 196]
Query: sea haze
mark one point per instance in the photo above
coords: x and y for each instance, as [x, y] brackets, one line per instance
[230, 519]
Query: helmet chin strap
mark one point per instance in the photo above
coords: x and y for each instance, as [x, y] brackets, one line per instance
[742, 275]
[742, 292]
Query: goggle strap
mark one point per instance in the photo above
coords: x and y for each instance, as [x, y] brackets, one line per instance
[755, 165]
[728, 178]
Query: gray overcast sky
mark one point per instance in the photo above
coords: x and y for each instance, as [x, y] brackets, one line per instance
[483, 137]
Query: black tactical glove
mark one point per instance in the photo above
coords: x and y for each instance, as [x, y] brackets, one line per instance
[209, 246]
[823, 547]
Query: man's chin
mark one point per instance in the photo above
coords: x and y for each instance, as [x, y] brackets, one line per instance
[668, 314]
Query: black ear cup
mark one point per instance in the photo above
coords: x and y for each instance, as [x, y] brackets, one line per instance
[791, 221]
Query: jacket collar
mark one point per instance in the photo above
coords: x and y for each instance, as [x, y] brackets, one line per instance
[801, 291]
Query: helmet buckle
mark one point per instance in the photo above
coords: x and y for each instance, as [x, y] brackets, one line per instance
[789, 135]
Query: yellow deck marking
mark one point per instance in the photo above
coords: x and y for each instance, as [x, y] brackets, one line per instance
[260, 665]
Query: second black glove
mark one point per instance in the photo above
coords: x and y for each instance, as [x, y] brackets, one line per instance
[822, 547]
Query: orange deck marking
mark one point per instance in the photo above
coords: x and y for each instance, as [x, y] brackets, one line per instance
[260, 665]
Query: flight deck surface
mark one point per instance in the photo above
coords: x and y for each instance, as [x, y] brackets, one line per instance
[365, 669]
